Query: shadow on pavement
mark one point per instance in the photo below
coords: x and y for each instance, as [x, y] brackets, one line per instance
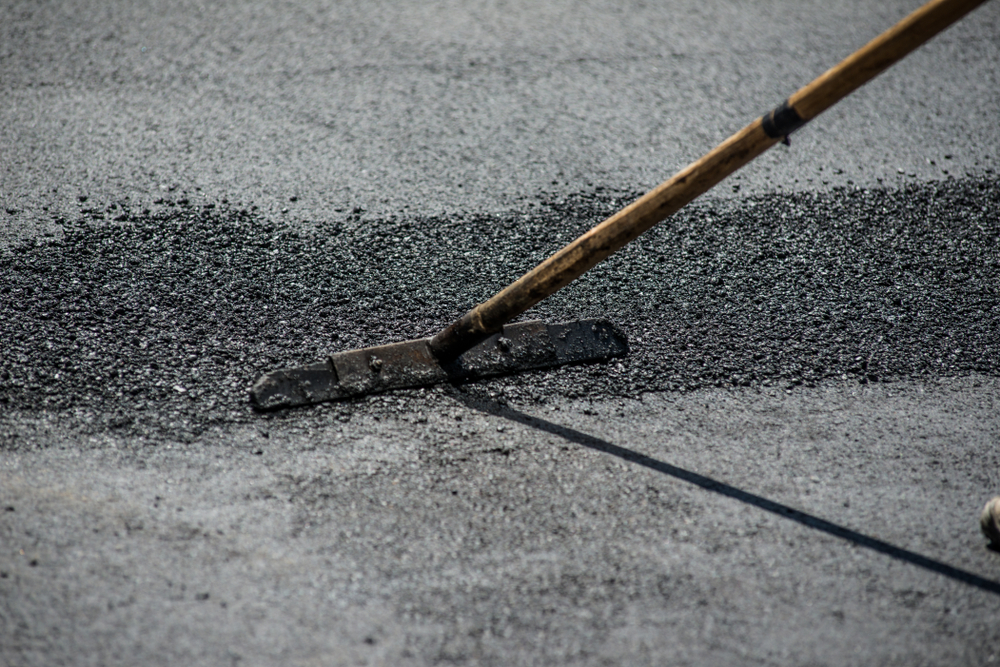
[709, 484]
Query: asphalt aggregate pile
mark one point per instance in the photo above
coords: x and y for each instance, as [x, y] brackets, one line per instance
[182, 307]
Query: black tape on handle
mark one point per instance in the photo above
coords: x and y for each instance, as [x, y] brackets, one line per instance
[781, 121]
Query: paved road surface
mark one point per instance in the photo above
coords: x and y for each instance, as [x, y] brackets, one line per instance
[787, 469]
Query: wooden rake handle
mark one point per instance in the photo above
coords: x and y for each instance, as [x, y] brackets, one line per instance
[608, 237]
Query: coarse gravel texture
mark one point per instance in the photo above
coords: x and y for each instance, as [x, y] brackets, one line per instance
[132, 311]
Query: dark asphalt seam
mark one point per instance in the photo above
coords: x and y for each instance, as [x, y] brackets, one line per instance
[729, 491]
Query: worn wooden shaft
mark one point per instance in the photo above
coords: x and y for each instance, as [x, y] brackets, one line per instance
[627, 224]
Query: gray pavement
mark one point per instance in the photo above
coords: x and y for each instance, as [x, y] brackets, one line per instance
[400, 108]
[787, 469]
[435, 528]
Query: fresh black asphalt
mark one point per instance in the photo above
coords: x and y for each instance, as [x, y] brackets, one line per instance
[135, 311]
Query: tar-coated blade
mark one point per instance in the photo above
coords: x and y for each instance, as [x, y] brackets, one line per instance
[520, 347]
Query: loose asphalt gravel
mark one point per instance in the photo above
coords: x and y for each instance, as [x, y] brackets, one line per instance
[151, 314]
[786, 469]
